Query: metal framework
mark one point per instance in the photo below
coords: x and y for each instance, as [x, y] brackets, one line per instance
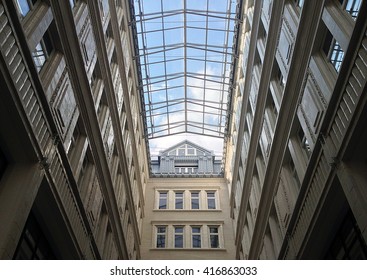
[185, 52]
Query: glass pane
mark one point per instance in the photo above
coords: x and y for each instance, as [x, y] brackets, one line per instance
[211, 204]
[195, 229]
[23, 6]
[196, 241]
[179, 241]
[163, 200]
[39, 56]
[194, 203]
[161, 230]
[213, 230]
[214, 241]
[211, 194]
[179, 203]
[161, 241]
[178, 229]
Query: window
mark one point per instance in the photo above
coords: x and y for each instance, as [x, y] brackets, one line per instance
[179, 240]
[196, 236]
[24, 6]
[333, 51]
[195, 200]
[348, 243]
[190, 151]
[351, 6]
[33, 243]
[178, 200]
[336, 55]
[42, 51]
[300, 3]
[161, 237]
[186, 170]
[73, 3]
[211, 199]
[214, 236]
[163, 200]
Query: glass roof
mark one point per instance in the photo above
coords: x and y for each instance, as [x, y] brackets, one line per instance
[185, 56]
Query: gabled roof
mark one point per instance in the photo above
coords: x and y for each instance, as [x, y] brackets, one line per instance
[207, 152]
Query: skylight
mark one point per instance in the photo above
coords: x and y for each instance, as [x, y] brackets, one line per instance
[185, 50]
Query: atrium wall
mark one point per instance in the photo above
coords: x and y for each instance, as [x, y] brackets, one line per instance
[297, 159]
[73, 165]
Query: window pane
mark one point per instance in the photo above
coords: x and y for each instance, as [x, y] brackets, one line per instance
[163, 200]
[161, 237]
[190, 151]
[23, 7]
[352, 7]
[214, 237]
[161, 241]
[214, 242]
[178, 237]
[178, 241]
[336, 55]
[211, 200]
[194, 200]
[196, 241]
[179, 200]
[39, 56]
[196, 237]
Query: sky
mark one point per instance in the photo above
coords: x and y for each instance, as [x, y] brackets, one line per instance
[185, 95]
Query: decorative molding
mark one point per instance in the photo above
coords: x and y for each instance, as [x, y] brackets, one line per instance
[308, 124]
[58, 86]
[318, 90]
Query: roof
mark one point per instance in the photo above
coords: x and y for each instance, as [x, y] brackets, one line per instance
[185, 53]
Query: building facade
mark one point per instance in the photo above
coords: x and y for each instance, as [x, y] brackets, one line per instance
[73, 166]
[297, 172]
[187, 215]
[76, 179]
[187, 218]
[186, 159]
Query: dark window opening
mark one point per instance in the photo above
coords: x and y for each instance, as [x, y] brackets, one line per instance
[33, 244]
[348, 244]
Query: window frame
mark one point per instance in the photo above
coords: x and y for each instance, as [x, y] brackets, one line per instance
[161, 236]
[162, 206]
[30, 4]
[211, 198]
[43, 51]
[196, 235]
[180, 235]
[333, 51]
[195, 198]
[352, 7]
[179, 200]
[216, 235]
